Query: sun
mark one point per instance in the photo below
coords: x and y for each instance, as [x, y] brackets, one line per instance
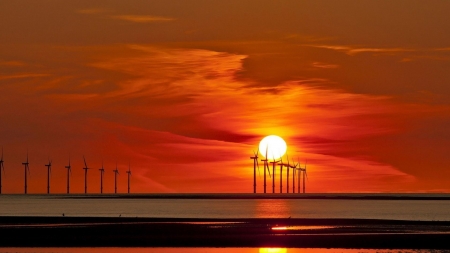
[273, 145]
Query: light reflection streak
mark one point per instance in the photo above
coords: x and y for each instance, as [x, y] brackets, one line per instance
[273, 208]
[300, 227]
[272, 250]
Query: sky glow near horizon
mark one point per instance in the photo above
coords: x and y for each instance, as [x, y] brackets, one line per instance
[185, 90]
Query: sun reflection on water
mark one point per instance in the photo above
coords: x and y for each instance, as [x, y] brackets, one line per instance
[272, 208]
[272, 250]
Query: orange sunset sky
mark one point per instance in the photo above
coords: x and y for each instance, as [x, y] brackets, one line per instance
[185, 90]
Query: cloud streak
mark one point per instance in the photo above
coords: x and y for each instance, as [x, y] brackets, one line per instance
[142, 18]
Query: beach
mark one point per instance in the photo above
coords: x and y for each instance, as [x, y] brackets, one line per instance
[176, 232]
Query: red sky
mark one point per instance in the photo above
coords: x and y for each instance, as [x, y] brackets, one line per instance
[185, 90]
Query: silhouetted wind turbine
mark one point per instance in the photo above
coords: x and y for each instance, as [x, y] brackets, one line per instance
[294, 167]
[27, 169]
[85, 175]
[2, 169]
[305, 176]
[281, 175]
[102, 171]
[266, 165]
[116, 172]
[274, 163]
[255, 164]
[68, 177]
[129, 174]
[49, 171]
[288, 166]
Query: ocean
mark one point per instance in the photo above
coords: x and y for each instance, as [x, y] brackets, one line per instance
[425, 207]
[209, 250]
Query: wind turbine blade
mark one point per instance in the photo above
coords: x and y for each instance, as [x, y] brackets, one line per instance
[85, 165]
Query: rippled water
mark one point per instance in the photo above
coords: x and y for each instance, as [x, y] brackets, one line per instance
[42, 205]
[209, 250]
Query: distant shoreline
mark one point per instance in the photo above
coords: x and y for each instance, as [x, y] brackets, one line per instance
[256, 232]
[347, 196]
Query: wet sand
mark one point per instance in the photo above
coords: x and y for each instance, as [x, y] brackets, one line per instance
[361, 196]
[168, 232]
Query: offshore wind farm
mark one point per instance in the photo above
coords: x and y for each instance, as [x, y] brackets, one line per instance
[272, 148]
[259, 126]
[26, 165]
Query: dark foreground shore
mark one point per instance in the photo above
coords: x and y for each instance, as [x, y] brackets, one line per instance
[163, 232]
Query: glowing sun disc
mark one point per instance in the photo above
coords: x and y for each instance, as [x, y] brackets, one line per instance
[274, 145]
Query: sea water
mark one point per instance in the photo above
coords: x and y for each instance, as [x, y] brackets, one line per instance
[98, 206]
[209, 250]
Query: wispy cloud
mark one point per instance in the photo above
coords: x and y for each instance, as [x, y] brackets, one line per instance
[142, 18]
[22, 75]
[324, 65]
[126, 17]
[350, 50]
[13, 63]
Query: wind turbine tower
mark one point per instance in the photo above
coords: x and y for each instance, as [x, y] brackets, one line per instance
[27, 169]
[2, 169]
[85, 175]
[274, 163]
[68, 176]
[294, 169]
[255, 163]
[305, 176]
[281, 175]
[49, 171]
[129, 174]
[102, 171]
[266, 165]
[288, 166]
[116, 172]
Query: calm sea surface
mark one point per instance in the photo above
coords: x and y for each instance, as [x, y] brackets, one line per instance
[209, 250]
[56, 205]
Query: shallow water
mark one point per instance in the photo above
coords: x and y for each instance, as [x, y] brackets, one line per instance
[209, 250]
[42, 205]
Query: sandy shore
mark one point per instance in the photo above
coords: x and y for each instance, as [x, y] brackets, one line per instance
[166, 232]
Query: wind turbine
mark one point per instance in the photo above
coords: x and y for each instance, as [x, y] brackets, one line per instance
[116, 171]
[102, 171]
[129, 174]
[68, 177]
[49, 171]
[299, 177]
[255, 164]
[281, 175]
[2, 169]
[274, 163]
[27, 169]
[305, 176]
[266, 165]
[288, 166]
[294, 167]
[85, 175]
